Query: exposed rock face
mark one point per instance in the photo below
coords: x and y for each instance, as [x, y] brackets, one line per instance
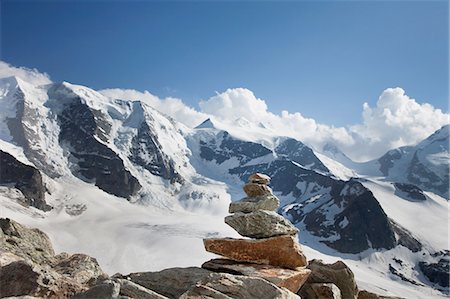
[260, 224]
[81, 267]
[133, 290]
[147, 152]
[281, 251]
[81, 129]
[172, 282]
[234, 286]
[105, 290]
[27, 278]
[283, 278]
[230, 147]
[438, 273]
[337, 273]
[405, 238]
[409, 192]
[27, 243]
[323, 291]
[266, 202]
[25, 178]
[28, 265]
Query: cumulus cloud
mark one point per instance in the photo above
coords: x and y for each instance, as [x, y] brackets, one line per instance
[396, 120]
[241, 103]
[172, 107]
[32, 76]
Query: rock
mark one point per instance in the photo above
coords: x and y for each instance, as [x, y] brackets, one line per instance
[133, 290]
[437, 272]
[106, 290]
[201, 291]
[171, 282]
[25, 242]
[368, 295]
[24, 177]
[236, 286]
[266, 202]
[82, 268]
[26, 278]
[337, 273]
[323, 291]
[260, 224]
[7, 258]
[253, 189]
[282, 251]
[283, 278]
[259, 178]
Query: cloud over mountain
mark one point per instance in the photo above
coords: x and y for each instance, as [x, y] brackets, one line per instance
[32, 76]
[396, 119]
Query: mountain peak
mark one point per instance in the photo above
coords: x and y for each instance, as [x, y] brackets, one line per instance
[206, 124]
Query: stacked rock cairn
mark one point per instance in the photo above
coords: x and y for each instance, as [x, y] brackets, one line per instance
[272, 252]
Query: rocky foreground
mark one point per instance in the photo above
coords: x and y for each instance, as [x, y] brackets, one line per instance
[30, 267]
[268, 263]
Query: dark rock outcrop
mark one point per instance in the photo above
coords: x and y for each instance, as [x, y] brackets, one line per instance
[405, 238]
[82, 130]
[438, 273]
[25, 178]
[409, 192]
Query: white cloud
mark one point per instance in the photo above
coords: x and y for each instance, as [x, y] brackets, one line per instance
[32, 76]
[395, 121]
[172, 107]
[242, 103]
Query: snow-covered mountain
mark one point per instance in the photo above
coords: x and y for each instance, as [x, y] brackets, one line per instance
[114, 169]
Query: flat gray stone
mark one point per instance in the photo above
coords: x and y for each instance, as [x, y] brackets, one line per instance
[224, 286]
[266, 202]
[260, 224]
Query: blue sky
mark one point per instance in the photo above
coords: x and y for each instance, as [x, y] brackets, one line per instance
[323, 59]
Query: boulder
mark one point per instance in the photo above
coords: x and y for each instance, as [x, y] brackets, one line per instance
[7, 258]
[266, 202]
[254, 189]
[221, 285]
[283, 278]
[171, 282]
[108, 289]
[25, 242]
[80, 267]
[323, 291]
[133, 290]
[259, 178]
[260, 224]
[337, 273]
[23, 277]
[282, 251]
[368, 295]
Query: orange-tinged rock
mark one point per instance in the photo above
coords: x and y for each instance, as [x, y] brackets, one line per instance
[259, 178]
[281, 277]
[254, 189]
[282, 251]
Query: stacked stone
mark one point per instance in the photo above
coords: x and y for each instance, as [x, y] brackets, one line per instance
[272, 253]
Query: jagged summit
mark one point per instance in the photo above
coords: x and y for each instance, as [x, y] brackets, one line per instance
[206, 124]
